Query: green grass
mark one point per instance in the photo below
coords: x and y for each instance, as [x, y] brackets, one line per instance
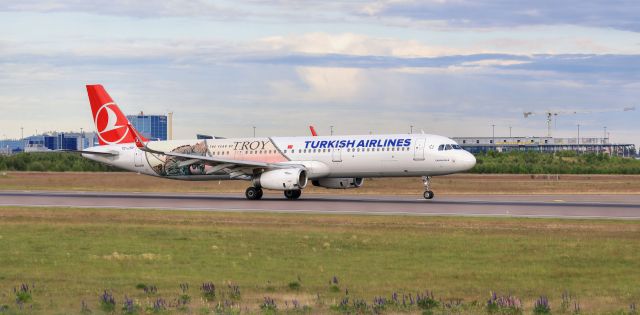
[73, 255]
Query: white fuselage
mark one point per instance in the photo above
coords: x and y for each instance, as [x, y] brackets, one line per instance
[398, 155]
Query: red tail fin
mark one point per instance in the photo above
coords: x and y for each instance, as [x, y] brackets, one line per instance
[313, 131]
[111, 123]
[137, 137]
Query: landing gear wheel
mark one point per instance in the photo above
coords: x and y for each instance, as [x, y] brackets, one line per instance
[292, 194]
[253, 193]
[428, 194]
[426, 181]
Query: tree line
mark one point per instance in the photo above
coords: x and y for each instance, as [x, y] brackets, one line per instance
[565, 162]
[491, 162]
[51, 162]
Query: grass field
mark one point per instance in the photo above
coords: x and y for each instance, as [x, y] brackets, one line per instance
[452, 184]
[73, 255]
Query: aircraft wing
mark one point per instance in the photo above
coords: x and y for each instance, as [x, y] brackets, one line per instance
[231, 166]
[205, 158]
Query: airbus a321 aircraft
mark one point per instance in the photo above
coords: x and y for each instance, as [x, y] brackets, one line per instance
[277, 163]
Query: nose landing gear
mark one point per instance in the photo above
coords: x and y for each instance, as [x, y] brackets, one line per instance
[426, 181]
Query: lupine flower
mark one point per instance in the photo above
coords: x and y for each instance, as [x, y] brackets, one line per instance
[208, 290]
[23, 293]
[234, 291]
[159, 305]
[426, 301]
[128, 307]
[379, 302]
[542, 306]
[107, 301]
[151, 289]
[503, 302]
[268, 304]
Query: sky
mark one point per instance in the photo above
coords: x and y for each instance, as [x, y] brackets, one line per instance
[449, 67]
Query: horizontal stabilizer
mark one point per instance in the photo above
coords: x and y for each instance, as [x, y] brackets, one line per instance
[88, 152]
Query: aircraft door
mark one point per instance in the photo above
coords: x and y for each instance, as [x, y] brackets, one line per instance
[336, 155]
[418, 154]
[138, 158]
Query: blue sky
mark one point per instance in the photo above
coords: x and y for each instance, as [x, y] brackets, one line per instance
[451, 67]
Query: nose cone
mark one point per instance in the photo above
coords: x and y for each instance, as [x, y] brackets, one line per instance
[468, 161]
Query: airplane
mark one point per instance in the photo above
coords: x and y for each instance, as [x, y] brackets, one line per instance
[285, 164]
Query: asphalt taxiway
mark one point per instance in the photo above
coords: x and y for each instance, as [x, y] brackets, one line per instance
[553, 206]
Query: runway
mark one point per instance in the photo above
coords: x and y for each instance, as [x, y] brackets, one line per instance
[552, 206]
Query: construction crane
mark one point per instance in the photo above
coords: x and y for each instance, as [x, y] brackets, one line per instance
[552, 114]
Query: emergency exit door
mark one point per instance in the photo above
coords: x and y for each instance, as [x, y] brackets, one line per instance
[418, 153]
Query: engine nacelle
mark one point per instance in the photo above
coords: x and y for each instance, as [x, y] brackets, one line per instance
[339, 183]
[282, 179]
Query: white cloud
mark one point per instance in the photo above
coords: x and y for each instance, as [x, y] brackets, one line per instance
[353, 44]
[494, 62]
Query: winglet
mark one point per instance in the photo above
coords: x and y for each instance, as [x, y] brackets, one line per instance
[313, 131]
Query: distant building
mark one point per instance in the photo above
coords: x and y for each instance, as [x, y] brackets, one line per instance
[49, 141]
[152, 127]
[545, 144]
[10, 146]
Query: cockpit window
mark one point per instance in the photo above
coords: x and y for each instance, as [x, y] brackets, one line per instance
[448, 147]
[456, 147]
[441, 147]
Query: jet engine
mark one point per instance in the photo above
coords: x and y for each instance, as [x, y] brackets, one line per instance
[282, 179]
[339, 183]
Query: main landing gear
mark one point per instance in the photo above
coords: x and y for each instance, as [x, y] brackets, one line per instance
[292, 194]
[253, 193]
[426, 181]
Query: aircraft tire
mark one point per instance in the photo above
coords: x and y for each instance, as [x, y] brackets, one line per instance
[253, 193]
[428, 194]
[292, 194]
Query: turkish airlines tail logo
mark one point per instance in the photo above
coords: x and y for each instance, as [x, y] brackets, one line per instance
[111, 123]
